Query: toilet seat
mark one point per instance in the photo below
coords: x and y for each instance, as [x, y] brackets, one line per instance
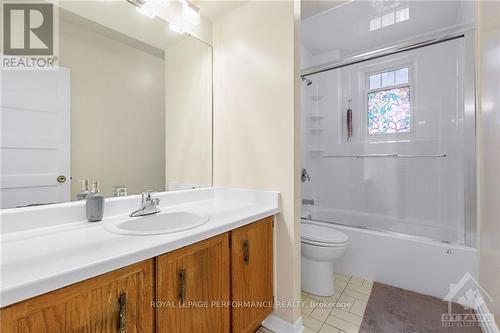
[324, 236]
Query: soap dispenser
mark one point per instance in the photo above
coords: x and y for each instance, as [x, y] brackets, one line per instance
[84, 191]
[95, 203]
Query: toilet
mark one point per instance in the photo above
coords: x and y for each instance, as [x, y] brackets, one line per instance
[320, 246]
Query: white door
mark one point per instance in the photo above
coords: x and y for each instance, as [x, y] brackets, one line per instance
[34, 137]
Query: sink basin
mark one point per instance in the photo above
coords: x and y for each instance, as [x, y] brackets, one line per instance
[161, 223]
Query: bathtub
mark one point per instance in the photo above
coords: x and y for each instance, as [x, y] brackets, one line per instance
[413, 263]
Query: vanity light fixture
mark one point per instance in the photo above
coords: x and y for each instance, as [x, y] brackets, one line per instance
[190, 12]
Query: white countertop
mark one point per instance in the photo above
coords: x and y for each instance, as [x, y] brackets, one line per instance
[36, 260]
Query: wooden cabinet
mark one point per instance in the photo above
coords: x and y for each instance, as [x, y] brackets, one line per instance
[219, 285]
[251, 275]
[193, 288]
[119, 301]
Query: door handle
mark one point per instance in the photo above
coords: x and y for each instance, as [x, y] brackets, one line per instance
[61, 178]
[122, 314]
[246, 251]
[182, 285]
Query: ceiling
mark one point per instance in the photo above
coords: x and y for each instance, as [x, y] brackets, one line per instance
[214, 9]
[310, 8]
[346, 29]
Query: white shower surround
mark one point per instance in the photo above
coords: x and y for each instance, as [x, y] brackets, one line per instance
[417, 196]
[411, 232]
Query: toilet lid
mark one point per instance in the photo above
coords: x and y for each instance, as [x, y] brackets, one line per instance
[322, 234]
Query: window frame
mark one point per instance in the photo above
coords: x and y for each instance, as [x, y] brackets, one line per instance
[383, 68]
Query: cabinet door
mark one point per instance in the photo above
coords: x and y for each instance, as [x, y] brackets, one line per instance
[119, 301]
[193, 288]
[252, 274]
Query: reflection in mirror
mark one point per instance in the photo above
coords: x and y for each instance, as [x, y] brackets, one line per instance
[130, 106]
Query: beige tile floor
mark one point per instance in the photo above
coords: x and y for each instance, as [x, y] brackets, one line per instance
[341, 313]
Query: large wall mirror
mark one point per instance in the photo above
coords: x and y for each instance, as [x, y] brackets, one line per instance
[129, 106]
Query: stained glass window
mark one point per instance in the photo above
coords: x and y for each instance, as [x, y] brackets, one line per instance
[389, 111]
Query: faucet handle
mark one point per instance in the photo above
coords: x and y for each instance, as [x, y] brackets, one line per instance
[147, 196]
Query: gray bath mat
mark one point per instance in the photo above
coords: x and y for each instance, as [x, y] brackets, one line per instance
[394, 310]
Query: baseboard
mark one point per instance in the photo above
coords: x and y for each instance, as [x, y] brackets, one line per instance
[487, 326]
[278, 325]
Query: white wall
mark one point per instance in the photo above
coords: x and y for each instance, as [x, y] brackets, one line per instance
[115, 135]
[256, 71]
[307, 59]
[188, 73]
[419, 196]
[489, 150]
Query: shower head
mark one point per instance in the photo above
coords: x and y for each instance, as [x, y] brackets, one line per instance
[307, 81]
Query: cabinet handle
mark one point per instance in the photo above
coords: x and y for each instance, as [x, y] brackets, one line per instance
[182, 285]
[122, 300]
[246, 251]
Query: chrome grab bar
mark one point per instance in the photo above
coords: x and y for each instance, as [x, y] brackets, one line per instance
[387, 155]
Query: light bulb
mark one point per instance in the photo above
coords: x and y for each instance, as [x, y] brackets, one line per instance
[190, 12]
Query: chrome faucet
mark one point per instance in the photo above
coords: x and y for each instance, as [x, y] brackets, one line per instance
[148, 205]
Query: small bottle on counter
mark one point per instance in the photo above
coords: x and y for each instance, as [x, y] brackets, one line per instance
[95, 203]
[84, 191]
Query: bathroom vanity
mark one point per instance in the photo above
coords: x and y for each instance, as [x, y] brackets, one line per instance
[79, 277]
